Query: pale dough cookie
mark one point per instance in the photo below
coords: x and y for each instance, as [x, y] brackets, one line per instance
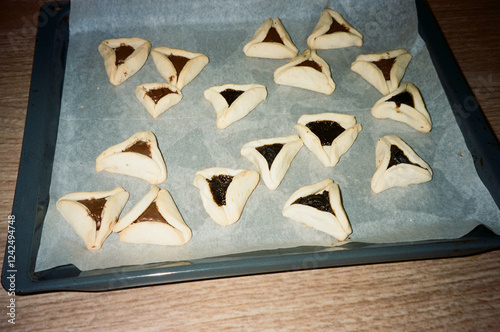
[272, 157]
[271, 41]
[383, 70]
[307, 71]
[224, 192]
[158, 97]
[328, 135]
[155, 219]
[397, 165]
[405, 105]
[138, 156]
[93, 214]
[333, 31]
[319, 206]
[178, 67]
[232, 102]
[123, 57]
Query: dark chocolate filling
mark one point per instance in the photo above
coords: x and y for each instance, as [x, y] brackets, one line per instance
[403, 98]
[385, 65]
[95, 207]
[178, 61]
[326, 130]
[141, 147]
[270, 151]
[398, 157]
[337, 27]
[157, 94]
[318, 201]
[273, 36]
[218, 187]
[230, 95]
[151, 214]
[122, 53]
[310, 63]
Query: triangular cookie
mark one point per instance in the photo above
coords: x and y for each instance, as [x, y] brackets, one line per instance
[93, 214]
[383, 70]
[307, 71]
[234, 101]
[319, 206]
[272, 157]
[224, 192]
[271, 41]
[405, 105]
[158, 97]
[328, 135]
[123, 57]
[333, 31]
[155, 219]
[178, 67]
[397, 165]
[138, 156]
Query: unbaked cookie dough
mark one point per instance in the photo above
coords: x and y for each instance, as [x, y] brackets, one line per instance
[272, 157]
[307, 71]
[333, 31]
[155, 219]
[93, 214]
[232, 102]
[224, 192]
[158, 97]
[123, 57]
[328, 135]
[397, 165]
[319, 206]
[138, 156]
[383, 70]
[272, 41]
[405, 105]
[177, 66]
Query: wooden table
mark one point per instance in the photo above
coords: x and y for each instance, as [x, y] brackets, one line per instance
[445, 294]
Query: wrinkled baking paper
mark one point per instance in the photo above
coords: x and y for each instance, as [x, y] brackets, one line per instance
[95, 115]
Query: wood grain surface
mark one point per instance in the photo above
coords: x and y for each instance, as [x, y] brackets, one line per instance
[455, 294]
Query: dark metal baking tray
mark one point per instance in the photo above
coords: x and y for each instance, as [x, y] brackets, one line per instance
[34, 178]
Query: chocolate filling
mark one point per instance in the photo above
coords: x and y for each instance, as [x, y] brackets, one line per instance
[157, 94]
[403, 98]
[337, 27]
[270, 151]
[326, 130]
[122, 53]
[218, 187]
[230, 95]
[318, 201]
[141, 147]
[178, 61]
[95, 207]
[310, 63]
[151, 214]
[398, 157]
[273, 36]
[385, 66]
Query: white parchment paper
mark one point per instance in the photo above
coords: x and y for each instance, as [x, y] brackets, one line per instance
[96, 115]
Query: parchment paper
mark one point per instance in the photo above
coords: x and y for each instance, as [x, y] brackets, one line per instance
[96, 115]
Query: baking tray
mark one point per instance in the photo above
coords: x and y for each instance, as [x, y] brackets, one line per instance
[35, 169]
